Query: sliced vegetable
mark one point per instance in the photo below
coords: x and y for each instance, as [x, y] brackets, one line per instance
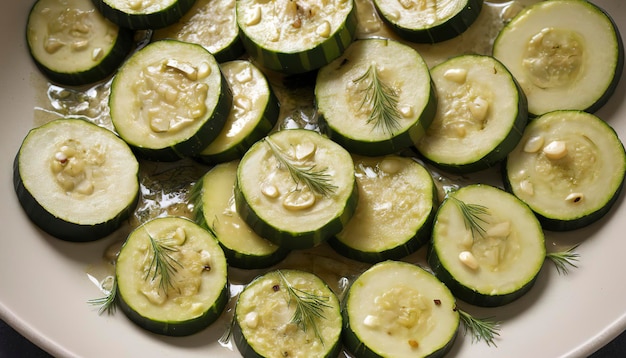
[143, 15]
[217, 211]
[397, 309]
[171, 277]
[569, 168]
[210, 23]
[487, 246]
[393, 218]
[73, 44]
[377, 98]
[296, 188]
[429, 22]
[566, 54]
[75, 180]
[169, 100]
[253, 115]
[288, 313]
[296, 36]
[481, 115]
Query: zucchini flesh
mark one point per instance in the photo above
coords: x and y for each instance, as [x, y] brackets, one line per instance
[73, 44]
[263, 318]
[210, 23]
[287, 211]
[169, 100]
[429, 22]
[143, 14]
[75, 180]
[253, 115]
[198, 292]
[296, 36]
[397, 204]
[347, 86]
[566, 54]
[569, 168]
[243, 248]
[491, 265]
[397, 309]
[481, 114]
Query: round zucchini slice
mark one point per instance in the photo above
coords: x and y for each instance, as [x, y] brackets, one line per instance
[377, 98]
[487, 246]
[75, 180]
[396, 208]
[253, 115]
[480, 118]
[73, 44]
[429, 22]
[288, 313]
[569, 168]
[296, 188]
[566, 54]
[171, 277]
[217, 211]
[296, 36]
[210, 23]
[143, 15]
[397, 309]
[169, 100]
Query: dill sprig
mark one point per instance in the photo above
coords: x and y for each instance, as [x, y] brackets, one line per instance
[106, 304]
[309, 307]
[162, 265]
[473, 216]
[381, 100]
[481, 329]
[318, 181]
[564, 260]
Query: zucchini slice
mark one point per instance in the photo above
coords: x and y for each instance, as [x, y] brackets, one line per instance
[296, 188]
[487, 246]
[267, 323]
[480, 118]
[396, 208]
[171, 277]
[143, 15]
[296, 36]
[377, 98]
[210, 23]
[569, 168]
[566, 54]
[397, 309]
[253, 115]
[75, 180]
[73, 44]
[429, 21]
[216, 209]
[169, 100]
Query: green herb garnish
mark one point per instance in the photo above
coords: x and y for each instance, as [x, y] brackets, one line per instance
[162, 265]
[481, 329]
[564, 260]
[381, 100]
[318, 181]
[472, 216]
[309, 307]
[107, 304]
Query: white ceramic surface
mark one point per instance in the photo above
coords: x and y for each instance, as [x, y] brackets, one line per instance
[44, 286]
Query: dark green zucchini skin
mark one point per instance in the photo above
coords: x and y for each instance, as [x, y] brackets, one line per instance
[469, 295]
[306, 61]
[176, 329]
[58, 227]
[154, 20]
[450, 29]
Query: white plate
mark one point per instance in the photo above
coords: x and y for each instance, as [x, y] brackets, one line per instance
[44, 286]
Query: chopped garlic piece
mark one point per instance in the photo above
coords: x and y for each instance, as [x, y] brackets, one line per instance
[458, 75]
[533, 144]
[574, 197]
[555, 150]
[468, 259]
